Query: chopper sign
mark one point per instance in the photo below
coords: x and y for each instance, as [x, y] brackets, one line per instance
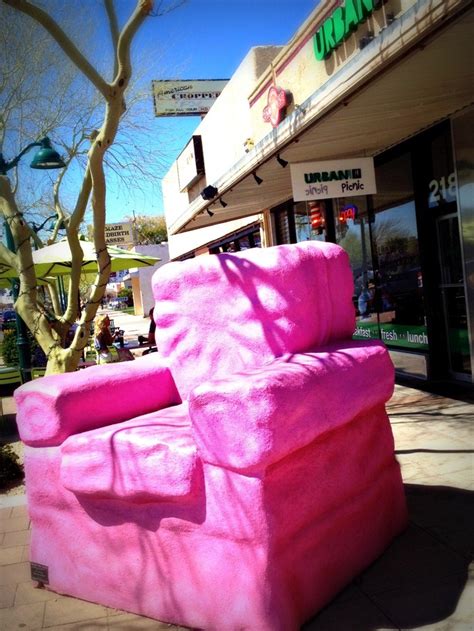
[334, 178]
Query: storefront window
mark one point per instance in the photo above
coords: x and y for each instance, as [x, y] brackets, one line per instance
[237, 242]
[441, 187]
[353, 234]
[398, 281]
[310, 221]
[383, 249]
[283, 225]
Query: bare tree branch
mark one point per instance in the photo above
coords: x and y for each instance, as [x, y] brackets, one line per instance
[63, 41]
[114, 30]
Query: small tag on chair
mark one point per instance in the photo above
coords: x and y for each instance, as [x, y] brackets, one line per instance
[39, 573]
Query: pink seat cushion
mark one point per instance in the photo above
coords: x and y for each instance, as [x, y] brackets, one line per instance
[147, 458]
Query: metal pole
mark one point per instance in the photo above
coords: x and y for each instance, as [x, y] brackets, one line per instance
[24, 354]
[62, 293]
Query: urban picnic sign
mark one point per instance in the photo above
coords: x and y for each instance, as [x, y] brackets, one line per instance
[333, 178]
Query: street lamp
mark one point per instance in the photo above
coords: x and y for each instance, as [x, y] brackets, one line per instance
[45, 158]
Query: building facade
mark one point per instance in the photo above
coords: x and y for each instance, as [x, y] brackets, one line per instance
[359, 131]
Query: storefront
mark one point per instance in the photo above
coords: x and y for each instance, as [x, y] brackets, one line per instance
[390, 86]
[404, 243]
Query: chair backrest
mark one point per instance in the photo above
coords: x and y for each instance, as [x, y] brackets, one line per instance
[38, 372]
[220, 314]
[9, 375]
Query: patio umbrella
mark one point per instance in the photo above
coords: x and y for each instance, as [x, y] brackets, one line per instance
[55, 260]
[6, 281]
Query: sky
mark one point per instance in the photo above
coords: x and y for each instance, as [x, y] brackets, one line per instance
[202, 39]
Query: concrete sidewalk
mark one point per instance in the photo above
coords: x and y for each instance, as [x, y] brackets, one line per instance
[421, 582]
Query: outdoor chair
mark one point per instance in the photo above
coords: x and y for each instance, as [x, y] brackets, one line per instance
[10, 378]
[9, 375]
[37, 372]
[238, 478]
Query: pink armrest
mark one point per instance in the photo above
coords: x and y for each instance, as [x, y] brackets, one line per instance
[252, 419]
[52, 408]
[150, 457]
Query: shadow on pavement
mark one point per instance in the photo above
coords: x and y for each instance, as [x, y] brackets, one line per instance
[419, 579]
[8, 428]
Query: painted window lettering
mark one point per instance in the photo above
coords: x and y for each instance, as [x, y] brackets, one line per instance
[362, 332]
[442, 190]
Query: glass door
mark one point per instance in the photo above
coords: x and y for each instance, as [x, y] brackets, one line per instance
[451, 287]
[442, 252]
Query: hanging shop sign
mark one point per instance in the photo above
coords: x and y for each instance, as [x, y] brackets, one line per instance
[186, 98]
[190, 163]
[334, 178]
[119, 233]
[275, 110]
[342, 22]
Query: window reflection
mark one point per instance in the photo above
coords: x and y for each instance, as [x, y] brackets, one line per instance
[383, 250]
[398, 279]
[243, 241]
[310, 221]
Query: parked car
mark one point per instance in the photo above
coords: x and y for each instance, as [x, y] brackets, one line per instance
[8, 319]
[118, 303]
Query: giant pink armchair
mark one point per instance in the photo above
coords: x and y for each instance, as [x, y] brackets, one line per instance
[240, 477]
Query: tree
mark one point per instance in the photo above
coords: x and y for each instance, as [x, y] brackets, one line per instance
[50, 332]
[149, 230]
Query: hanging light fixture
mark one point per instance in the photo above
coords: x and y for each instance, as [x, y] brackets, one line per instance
[47, 157]
[283, 163]
[222, 203]
[257, 178]
[209, 212]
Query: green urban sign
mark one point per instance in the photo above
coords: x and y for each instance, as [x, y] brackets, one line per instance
[340, 24]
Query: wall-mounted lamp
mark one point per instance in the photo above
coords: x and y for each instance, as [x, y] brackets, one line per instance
[209, 212]
[209, 192]
[222, 203]
[281, 162]
[249, 145]
[256, 178]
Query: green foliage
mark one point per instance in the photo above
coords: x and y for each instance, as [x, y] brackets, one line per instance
[149, 230]
[9, 349]
[127, 293]
[10, 467]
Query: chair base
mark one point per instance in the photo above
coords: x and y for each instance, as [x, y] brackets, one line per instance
[169, 561]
